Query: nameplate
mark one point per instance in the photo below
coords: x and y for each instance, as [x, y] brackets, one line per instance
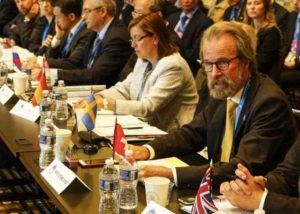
[5, 94]
[154, 207]
[26, 110]
[61, 178]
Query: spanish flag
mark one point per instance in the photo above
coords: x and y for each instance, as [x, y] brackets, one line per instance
[39, 90]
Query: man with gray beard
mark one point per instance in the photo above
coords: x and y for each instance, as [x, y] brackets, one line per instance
[248, 119]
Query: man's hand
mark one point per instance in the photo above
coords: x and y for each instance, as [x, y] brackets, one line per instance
[47, 41]
[244, 192]
[34, 11]
[289, 64]
[149, 171]
[6, 43]
[139, 152]
[59, 33]
[35, 73]
[80, 104]
[32, 63]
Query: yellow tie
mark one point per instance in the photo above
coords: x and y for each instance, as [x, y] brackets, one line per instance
[228, 135]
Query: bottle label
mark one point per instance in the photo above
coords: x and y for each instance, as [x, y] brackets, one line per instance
[44, 139]
[61, 96]
[44, 107]
[47, 140]
[108, 185]
[128, 175]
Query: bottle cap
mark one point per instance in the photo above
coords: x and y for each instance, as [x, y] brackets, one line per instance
[48, 121]
[259, 211]
[109, 161]
[61, 83]
[128, 152]
[45, 92]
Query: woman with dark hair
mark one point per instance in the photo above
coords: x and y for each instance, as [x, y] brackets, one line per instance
[47, 29]
[161, 88]
[259, 14]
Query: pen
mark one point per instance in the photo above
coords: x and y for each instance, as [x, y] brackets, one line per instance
[138, 127]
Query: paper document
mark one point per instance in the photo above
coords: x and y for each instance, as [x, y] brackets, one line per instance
[106, 120]
[166, 162]
[224, 207]
[141, 132]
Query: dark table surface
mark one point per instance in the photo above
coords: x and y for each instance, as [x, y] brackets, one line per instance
[13, 127]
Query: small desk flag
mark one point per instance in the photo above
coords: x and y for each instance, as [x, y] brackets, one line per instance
[16, 60]
[36, 99]
[45, 65]
[119, 140]
[90, 112]
[204, 203]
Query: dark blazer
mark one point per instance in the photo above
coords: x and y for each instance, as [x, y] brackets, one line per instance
[8, 11]
[282, 184]
[24, 32]
[75, 54]
[109, 61]
[288, 34]
[265, 131]
[281, 16]
[124, 12]
[290, 77]
[192, 36]
[240, 17]
[268, 52]
[38, 49]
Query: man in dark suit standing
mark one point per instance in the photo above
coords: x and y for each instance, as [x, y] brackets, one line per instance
[247, 120]
[190, 23]
[277, 193]
[107, 50]
[8, 11]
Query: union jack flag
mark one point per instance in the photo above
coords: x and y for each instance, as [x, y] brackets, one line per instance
[203, 202]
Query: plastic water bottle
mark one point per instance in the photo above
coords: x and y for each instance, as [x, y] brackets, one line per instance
[47, 141]
[61, 96]
[109, 189]
[45, 111]
[26, 69]
[128, 182]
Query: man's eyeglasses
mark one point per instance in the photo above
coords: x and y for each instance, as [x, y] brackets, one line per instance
[86, 11]
[222, 64]
[136, 14]
[138, 38]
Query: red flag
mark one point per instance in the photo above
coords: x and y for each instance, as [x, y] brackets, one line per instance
[16, 60]
[39, 90]
[119, 140]
[45, 65]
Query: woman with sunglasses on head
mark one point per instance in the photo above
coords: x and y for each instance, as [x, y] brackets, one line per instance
[259, 14]
[161, 88]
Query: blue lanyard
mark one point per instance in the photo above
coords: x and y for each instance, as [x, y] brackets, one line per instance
[69, 41]
[241, 103]
[45, 33]
[297, 30]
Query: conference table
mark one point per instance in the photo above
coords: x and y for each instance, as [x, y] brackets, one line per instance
[21, 137]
